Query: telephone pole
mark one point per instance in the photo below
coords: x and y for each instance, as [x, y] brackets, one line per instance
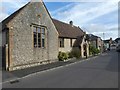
[103, 36]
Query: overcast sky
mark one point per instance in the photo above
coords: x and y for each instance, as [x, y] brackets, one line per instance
[92, 16]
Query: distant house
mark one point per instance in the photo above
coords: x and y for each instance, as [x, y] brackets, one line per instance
[117, 43]
[95, 41]
[30, 37]
[107, 43]
[71, 38]
[117, 40]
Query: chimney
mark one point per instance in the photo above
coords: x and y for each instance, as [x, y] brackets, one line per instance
[71, 23]
[84, 33]
[110, 41]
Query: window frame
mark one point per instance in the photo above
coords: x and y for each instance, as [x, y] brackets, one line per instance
[39, 44]
[71, 42]
[61, 42]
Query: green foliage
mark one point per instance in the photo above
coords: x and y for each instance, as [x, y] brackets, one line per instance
[97, 51]
[93, 50]
[76, 53]
[70, 55]
[62, 56]
[65, 55]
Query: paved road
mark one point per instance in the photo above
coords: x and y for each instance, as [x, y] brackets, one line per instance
[100, 72]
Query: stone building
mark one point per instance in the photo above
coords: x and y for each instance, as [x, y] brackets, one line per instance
[29, 37]
[71, 38]
[95, 41]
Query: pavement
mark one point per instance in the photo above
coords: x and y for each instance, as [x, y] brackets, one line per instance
[95, 72]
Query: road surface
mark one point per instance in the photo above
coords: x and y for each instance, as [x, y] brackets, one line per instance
[99, 72]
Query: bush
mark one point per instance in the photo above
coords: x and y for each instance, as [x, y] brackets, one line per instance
[93, 50]
[76, 53]
[97, 51]
[65, 56]
[62, 56]
[90, 53]
[70, 55]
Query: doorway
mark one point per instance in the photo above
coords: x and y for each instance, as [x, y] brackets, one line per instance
[85, 50]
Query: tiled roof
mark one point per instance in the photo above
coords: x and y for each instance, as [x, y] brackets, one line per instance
[117, 39]
[106, 41]
[91, 37]
[67, 30]
[78, 41]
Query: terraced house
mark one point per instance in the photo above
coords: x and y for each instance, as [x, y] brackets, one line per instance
[95, 41]
[71, 38]
[30, 37]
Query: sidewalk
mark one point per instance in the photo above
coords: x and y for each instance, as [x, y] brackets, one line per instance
[7, 76]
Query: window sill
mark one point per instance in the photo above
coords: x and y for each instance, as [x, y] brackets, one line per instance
[39, 48]
[61, 47]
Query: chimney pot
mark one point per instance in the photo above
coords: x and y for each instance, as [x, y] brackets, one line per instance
[71, 23]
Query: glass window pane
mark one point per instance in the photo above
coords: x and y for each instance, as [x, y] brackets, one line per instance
[61, 42]
[43, 36]
[34, 29]
[43, 42]
[39, 44]
[43, 30]
[35, 36]
[35, 43]
[39, 40]
[38, 30]
[71, 42]
[39, 35]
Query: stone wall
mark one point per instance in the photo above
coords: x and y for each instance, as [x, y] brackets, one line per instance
[0, 50]
[22, 52]
[82, 47]
[99, 44]
[67, 47]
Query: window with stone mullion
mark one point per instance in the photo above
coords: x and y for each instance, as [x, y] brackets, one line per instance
[35, 36]
[43, 37]
[39, 37]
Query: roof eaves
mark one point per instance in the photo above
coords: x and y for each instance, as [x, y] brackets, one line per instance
[9, 18]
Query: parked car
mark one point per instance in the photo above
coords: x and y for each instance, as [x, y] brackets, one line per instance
[108, 49]
[113, 46]
[118, 48]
